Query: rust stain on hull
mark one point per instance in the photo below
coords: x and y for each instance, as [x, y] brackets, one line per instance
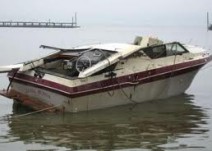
[27, 101]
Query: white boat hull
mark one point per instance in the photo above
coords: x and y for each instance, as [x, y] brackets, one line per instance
[134, 94]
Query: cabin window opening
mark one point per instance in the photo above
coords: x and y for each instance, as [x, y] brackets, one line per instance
[155, 52]
[160, 51]
[175, 49]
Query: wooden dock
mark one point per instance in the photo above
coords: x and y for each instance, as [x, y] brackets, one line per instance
[49, 24]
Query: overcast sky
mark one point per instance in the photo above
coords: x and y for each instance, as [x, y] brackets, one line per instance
[109, 12]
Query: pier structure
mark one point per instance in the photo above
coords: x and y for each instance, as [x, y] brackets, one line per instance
[49, 24]
[209, 26]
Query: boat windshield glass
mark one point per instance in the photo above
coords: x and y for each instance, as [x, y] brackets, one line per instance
[175, 49]
[165, 50]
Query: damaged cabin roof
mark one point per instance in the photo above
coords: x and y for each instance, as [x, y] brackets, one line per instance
[116, 47]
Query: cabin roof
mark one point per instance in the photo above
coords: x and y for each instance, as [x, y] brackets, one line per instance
[115, 47]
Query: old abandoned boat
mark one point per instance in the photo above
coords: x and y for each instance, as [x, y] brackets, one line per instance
[104, 75]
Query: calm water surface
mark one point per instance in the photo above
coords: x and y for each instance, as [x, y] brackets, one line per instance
[179, 123]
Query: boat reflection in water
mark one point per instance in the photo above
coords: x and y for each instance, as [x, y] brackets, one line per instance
[159, 125]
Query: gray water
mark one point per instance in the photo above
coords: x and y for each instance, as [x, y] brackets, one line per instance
[179, 123]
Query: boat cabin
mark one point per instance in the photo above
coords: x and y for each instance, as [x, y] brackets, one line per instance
[97, 59]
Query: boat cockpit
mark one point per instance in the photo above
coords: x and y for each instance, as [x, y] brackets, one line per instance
[71, 65]
[87, 59]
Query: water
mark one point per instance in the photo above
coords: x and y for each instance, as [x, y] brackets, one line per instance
[179, 123]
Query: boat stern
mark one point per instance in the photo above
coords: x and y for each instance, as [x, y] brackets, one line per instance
[29, 102]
